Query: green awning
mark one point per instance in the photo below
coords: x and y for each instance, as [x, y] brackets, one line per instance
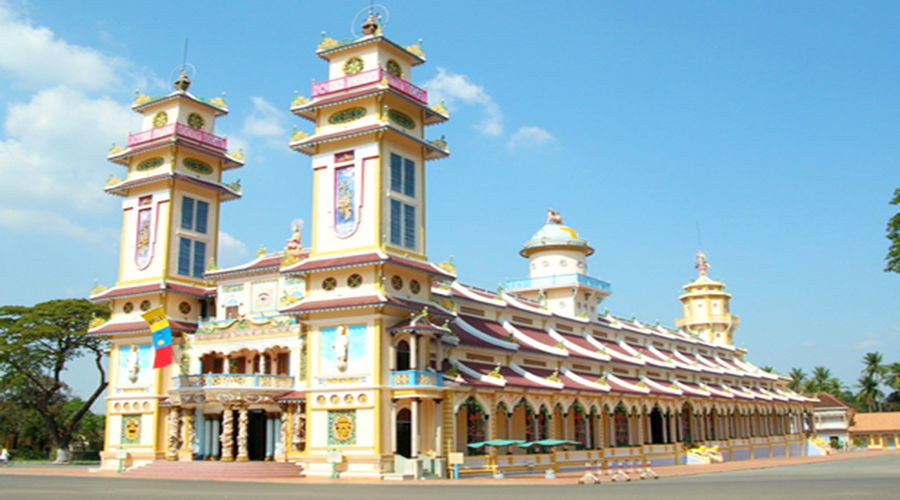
[548, 442]
[496, 442]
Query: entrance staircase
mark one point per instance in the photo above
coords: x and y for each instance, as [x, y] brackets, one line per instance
[216, 470]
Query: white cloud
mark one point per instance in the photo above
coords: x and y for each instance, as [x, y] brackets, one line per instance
[266, 122]
[452, 88]
[36, 57]
[52, 156]
[529, 137]
[870, 342]
[232, 251]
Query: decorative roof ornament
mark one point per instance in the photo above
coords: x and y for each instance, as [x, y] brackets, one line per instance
[554, 217]
[294, 247]
[183, 82]
[702, 263]
[377, 18]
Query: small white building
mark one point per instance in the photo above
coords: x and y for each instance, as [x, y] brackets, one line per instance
[832, 418]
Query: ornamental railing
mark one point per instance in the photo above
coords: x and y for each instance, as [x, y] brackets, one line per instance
[561, 279]
[181, 129]
[363, 78]
[228, 380]
[416, 378]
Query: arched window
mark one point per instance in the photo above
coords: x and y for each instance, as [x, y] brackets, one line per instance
[402, 355]
[620, 424]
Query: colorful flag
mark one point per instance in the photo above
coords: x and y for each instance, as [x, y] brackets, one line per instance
[162, 336]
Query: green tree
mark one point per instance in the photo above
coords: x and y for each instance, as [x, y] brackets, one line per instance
[36, 344]
[823, 381]
[797, 379]
[893, 235]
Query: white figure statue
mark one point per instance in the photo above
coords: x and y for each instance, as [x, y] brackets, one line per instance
[133, 364]
[341, 346]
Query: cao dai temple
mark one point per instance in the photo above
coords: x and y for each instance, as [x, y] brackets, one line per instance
[360, 352]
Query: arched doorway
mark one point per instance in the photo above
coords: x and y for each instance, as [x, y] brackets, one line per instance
[404, 433]
[657, 425]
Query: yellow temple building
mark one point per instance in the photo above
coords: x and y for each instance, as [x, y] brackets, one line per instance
[360, 357]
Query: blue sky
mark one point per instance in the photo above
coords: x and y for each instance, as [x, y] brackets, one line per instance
[771, 126]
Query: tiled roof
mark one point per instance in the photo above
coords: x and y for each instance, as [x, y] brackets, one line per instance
[876, 422]
[135, 290]
[110, 327]
[826, 400]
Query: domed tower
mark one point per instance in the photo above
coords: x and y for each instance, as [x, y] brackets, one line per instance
[557, 277]
[707, 310]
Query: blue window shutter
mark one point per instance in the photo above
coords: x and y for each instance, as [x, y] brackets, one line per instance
[396, 222]
[184, 256]
[409, 226]
[202, 215]
[187, 213]
[199, 258]
[396, 173]
[409, 178]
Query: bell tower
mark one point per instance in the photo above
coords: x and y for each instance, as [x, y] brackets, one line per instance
[171, 192]
[707, 308]
[369, 148]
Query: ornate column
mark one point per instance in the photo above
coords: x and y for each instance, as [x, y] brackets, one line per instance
[416, 408]
[243, 424]
[189, 433]
[413, 352]
[226, 439]
[174, 439]
[393, 430]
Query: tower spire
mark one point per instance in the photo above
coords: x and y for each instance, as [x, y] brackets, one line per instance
[702, 263]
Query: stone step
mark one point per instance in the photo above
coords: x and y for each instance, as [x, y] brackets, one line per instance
[211, 469]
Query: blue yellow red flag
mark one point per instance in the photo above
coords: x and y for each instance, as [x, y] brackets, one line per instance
[162, 336]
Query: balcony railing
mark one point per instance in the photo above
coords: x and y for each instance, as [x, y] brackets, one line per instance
[416, 378]
[228, 380]
[561, 279]
[366, 78]
[181, 129]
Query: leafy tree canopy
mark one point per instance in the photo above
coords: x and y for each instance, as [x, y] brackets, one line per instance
[893, 235]
[36, 344]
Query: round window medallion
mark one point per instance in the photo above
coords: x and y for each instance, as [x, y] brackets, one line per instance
[353, 66]
[335, 399]
[415, 286]
[128, 307]
[348, 399]
[145, 305]
[320, 400]
[396, 282]
[545, 263]
[563, 263]
[354, 281]
[195, 121]
[184, 307]
[362, 398]
[329, 284]
[160, 119]
[393, 67]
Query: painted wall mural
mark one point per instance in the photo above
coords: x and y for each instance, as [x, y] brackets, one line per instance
[343, 349]
[135, 366]
[143, 253]
[341, 427]
[131, 429]
[264, 295]
[346, 200]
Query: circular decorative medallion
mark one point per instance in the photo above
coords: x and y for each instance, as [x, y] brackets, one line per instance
[197, 166]
[145, 305]
[184, 307]
[320, 400]
[329, 284]
[128, 307]
[353, 66]
[335, 399]
[415, 286]
[396, 282]
[347, 115]
[563, 263]
[348, 399]
[160, 119]
[149, 164]
[402, 119]
[393, 67]
[362, 398]
[354, 281]
[195, 121]
[545, 263]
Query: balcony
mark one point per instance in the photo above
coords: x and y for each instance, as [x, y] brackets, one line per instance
[233, 381]
[557, 280]
[181, 129]
[363, 78]
[416, 378]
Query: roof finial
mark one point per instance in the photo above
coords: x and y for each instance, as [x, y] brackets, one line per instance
[702, 263]
[554, 217]
[184, 81]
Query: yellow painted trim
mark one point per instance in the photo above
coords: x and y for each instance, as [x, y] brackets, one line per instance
[379, 195]
[372, 248]
[288, 335]
[379, 432]
[329, 448]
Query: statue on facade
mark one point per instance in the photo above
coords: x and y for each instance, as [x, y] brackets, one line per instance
[133, 364]
[341, 347]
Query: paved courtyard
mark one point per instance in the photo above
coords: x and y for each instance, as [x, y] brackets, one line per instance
[871, 477]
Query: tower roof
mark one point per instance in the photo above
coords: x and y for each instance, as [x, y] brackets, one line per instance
[554, 235]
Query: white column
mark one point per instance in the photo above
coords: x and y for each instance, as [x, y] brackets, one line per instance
[414, 353]
[416, 407]
[215, 430]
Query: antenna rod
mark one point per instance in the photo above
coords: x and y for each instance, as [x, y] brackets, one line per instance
[184, 59]
[699, 240]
